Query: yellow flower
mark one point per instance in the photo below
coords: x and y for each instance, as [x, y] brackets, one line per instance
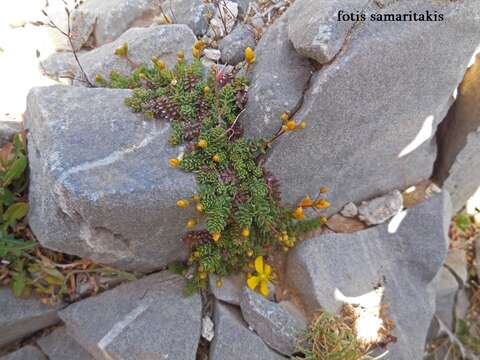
[285, 117]
[323, 219]
[182, 203]
[174, 162]
[284, 128]
[291, 125]
[181, 57]
[206, 89]
[322, 204]
[216, 158]
[122, 51]
[216, 236]
[191, 223]
[196, 198]
[160, 64]
[299, 215]
[199, 44]
[99, 78]
[246, 232]
[303, 125]
[264, 275]
[197, 53]
[202, 144]
[203, 275]
[219, 283]
[250, 55]
[306, 202]
[199, 207]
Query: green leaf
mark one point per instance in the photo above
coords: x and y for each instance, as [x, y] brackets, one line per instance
[15, 212]
[16, 170]
[19, 284]
[463, 221]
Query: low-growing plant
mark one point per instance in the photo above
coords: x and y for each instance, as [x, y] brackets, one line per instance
[24, 265]
[240, 216]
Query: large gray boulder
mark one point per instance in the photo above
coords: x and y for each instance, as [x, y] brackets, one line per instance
[372, 112]
[458, 167]
[277, 326]
[234, 44]
[25, 353]
[402, 257]
[106, 20]
[279, 79]
[100, 183]
[316, 30]
[148, 319]
[234, 341]
[162, 41]
[58, 345]
[22, 317]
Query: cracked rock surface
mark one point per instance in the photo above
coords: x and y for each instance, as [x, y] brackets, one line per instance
[100, 184]
[58, 345]
[371, 112]
[402, 257]
[25, 353]
[148, 319]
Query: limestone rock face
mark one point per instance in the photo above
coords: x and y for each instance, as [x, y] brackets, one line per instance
[20, 318]
[162, 41]
[25, 353]
[315, 30]
[459, 137]
[59, 346]
[148, 319]
[100, 186]
[233, 340]
[372, 112]
[106, 20]
[402, 257]
[194, 13]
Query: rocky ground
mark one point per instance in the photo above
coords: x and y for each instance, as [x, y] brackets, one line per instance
[393, 120]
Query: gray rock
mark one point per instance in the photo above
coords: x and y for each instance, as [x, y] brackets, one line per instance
[163, 41]
[234, 44]
[243, 6]
[446, 288]
[279, 79]
[350, 210]
[22, 317]
[106, 20]
[234, 341]
[231, 289]
[194, 13]
[403, 257]
[456, 262]
[458, 167]
[379, 210]
[278, 327]
[148, 319]
[25, 353]
[8, 129]
[316, 31]
[365, 136]
[100, 183]
[59, 65]
[58, 345]
[212, 54]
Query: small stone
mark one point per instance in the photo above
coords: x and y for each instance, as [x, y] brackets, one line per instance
[234, 44]
[340, 224]
[350, 210]
[233, 340]
[58, 345]
[22, 317]
[25, 353]
[380, 209]
[207, 328]
[194, 13]
[212, 54]
[278, 327]
[231, 289]
[150, 318]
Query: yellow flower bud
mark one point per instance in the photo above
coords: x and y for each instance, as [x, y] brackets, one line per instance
[246, 232]
[284, 128]
[182, 203]
[299, 215]
[202, 144]
[181, 54]
[99, 78]
[306, 202]
[285, 117]
[250, 55]
[216, 236]
[323, 219]
[160, 64]
[197, 53]
[216, 158]
[196, 254]
[219, 283]
[196, 198]
[191, 223]
[250, 253]
[202, 275]
[323, 190]
[199, 44]
[206, 89]
[291, 125]
[199, 207]
[174, 162]
[322, 204]
[122, 51]
[303, 125]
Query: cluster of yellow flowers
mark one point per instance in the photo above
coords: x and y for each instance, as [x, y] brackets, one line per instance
[290, 124]
[197, 49]
[307, 202]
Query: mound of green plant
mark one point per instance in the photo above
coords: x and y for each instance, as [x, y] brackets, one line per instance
[24, 265]
[240, 213]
